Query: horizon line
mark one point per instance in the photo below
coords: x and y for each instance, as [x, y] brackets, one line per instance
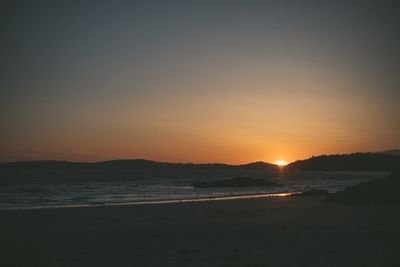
[188, 162]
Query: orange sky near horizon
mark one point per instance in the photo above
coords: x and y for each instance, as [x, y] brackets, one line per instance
[231, 82]
[286, 113]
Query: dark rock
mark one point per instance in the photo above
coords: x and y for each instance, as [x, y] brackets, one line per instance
[378, 191]
[235, 182]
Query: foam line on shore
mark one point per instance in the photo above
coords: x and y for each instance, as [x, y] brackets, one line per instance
[150, 202]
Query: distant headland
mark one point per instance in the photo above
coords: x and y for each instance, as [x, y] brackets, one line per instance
[382, 161]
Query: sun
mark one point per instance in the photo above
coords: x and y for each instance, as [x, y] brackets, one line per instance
[281, 163]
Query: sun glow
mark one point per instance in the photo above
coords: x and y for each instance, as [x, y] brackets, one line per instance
[281, 163]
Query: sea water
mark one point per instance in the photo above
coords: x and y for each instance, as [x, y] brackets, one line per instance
[66, 189]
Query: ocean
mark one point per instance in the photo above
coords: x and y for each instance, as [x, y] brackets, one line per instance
[20, 190]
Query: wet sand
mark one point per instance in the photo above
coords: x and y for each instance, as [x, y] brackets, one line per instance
[278, 231]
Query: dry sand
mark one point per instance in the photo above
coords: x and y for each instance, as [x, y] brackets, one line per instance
[279, 231]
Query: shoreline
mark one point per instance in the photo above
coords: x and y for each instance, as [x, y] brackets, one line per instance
[150, 202]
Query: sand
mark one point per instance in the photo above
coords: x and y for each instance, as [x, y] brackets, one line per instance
[279, 231]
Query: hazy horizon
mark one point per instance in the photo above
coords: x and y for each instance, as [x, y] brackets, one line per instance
[227, 81]
[278, 162]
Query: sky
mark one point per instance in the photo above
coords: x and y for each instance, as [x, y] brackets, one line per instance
[197, 81]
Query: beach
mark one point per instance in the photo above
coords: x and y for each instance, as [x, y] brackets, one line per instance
[271, 231]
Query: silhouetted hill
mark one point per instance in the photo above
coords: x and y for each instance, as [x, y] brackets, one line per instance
[139, 164]
[395, 152]
[235, 182]
[259, 165]
[125, 169]
[42, 164]
[348, 162]
[113, 170]
[131, 168]
[378, 191]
